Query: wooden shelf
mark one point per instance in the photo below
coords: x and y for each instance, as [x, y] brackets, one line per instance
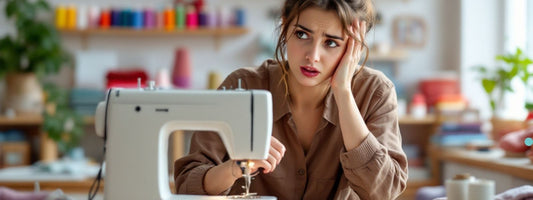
[25, 120]
[159, 32]
[217, 33]
[408, 120]
[33, 120]
[394, 55]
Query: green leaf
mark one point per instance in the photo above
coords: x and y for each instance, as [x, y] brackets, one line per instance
[529, 106]
[492, 105]
[11, 8]
[513, 72]
[508, 88]
[43, 5]
[518, 51]
[488, 85]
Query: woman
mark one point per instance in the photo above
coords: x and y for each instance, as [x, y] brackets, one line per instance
[335, 132]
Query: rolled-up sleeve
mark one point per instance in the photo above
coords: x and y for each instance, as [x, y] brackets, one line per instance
[377, 169]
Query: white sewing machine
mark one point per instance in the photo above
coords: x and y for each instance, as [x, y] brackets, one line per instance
[137, 124]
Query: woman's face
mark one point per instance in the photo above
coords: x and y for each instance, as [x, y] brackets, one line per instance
[315, 47]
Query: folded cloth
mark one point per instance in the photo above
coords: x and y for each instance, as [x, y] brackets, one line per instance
[430, 192]
[519, 193]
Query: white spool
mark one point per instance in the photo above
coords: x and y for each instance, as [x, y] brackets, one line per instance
[457, 189]
[481, 190]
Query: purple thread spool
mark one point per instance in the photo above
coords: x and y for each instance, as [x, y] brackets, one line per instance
[211, 19]
[202, 19]
[149, 18]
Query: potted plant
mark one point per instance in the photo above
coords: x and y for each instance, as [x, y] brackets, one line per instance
[63, 125]
[496, 83]
[32, 51]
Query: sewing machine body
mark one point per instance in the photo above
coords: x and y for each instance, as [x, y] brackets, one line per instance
[138, 122]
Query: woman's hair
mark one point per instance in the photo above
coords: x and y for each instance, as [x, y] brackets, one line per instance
[347, 11]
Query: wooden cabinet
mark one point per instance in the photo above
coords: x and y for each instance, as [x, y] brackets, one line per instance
[42, 147]
[418, 132]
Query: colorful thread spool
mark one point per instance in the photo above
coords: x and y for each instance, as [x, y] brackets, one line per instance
[61, 17]
[83, 17]
[71, 17]
[94, 16]
[137, 19]
[105, 19]
[240, 17]
[150, 18]
[181, 75]
[170, 19]
[192, 18]
[180, 16]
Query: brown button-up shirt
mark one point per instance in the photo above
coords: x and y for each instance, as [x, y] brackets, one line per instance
[375, 170]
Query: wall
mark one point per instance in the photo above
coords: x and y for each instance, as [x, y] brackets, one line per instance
[441, 51]
[154, 52]
[454, 37]
[481, 39]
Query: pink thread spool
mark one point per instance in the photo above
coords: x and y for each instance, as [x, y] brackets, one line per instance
[192, 18]
[181, 75]
[94, 16]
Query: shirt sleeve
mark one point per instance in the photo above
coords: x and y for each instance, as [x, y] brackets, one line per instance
[377, 169]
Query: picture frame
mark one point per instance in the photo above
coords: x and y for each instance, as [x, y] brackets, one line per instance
[409, 31]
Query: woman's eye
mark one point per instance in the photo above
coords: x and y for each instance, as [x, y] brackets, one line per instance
[301, 35]
[331, 43]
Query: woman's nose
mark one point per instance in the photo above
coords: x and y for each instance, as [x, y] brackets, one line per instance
[313, 54]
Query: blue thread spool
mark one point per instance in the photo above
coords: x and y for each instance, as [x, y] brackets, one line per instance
[137, 19]
[115, 17]
[240, 17]
[126, 18]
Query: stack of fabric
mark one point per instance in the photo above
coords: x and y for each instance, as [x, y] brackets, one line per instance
[84, 101]
[459, 134]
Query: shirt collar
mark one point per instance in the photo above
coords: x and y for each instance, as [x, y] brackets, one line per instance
[280, 102]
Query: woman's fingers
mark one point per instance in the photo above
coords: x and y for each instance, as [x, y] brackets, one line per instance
[276, 154]
[272, 162]
[278, 146]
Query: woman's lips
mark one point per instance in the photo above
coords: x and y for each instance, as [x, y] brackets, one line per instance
[309, 71]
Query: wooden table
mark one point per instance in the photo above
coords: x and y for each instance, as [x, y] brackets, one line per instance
[507, 172]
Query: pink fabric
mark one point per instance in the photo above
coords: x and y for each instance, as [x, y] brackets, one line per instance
[6, 193]
[519, 193]
[514, 141]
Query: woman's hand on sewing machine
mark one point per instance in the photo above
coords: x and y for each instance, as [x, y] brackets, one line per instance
[276, 153]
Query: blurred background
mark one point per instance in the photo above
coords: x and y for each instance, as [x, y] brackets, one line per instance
[461, 70]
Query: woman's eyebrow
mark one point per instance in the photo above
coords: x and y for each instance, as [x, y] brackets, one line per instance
[327, 35]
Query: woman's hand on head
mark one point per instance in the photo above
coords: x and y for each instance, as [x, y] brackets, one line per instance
[342, 77]
[276, 153]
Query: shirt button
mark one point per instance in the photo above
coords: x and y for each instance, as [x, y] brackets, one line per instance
[301, 172]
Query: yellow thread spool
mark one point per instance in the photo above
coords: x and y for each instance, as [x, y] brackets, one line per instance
[61, 17]
[71, 17]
